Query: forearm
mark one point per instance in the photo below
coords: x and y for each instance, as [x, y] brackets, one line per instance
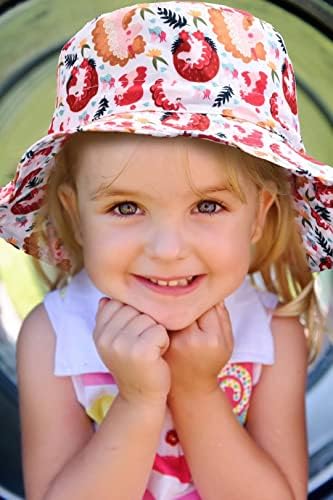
[224, 460]
[117, 460]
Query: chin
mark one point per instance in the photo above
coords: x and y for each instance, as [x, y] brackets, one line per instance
[173, 322]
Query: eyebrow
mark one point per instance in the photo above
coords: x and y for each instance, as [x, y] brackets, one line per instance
[104, 191]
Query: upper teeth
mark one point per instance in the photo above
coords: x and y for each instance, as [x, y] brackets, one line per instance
[181, 282]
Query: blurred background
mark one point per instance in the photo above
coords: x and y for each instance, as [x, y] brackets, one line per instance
[31, 35]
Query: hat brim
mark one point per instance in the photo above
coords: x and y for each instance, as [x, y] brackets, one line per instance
[21, 199]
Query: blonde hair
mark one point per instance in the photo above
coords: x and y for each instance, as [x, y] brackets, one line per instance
[278, 264]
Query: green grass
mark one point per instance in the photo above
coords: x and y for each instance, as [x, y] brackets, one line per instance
[16, 271]
[25, 114]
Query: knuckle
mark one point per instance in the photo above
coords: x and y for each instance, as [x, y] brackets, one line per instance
[118, 345]
[137, 352]
[157, 332]
[144, 322]
[149, 321]
[103, 347]
[127, 309]
[158, 329]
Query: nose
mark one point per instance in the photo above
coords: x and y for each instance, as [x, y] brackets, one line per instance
[167, 242]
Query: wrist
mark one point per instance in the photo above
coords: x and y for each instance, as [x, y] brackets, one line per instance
[140, 403]
[195, 392]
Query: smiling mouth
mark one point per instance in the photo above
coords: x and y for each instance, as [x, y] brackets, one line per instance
[172, 282]
[171, 286]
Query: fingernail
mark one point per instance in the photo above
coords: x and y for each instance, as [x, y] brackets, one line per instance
[102, 301]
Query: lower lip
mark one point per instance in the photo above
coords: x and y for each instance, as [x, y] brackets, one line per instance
[171, 290]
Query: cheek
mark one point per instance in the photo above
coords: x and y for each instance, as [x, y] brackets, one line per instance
[230, 256]
[108, 251]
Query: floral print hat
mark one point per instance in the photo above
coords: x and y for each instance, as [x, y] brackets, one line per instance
[168, 69]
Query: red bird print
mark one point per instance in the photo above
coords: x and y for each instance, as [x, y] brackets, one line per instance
[131, 87]
[253, 139]
[34, 199]
[195, 57]
[161, 100]
[197, 121]
[289, 86]
[277, 150]
[276, 105]
[253, 90]
[82, 85]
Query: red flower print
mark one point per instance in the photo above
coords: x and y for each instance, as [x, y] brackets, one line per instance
[131, 87]
[289, 85]
[195, 57]
[82, 85]
[254, 88]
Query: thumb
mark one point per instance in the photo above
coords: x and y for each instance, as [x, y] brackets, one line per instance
[164, 345]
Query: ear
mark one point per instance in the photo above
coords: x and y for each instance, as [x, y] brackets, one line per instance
[68, 199]
[266, 200]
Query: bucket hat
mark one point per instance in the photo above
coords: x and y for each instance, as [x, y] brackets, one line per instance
[168, 69]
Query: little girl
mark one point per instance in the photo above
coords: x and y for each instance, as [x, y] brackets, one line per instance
[169, 361]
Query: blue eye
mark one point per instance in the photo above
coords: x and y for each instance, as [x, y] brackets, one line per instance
[124, 209]
[129, 208]
[209, 207]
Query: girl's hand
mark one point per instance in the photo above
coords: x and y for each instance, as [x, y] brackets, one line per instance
[131, 344]
[197, 353]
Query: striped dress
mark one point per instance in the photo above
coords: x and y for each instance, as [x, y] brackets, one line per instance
[72, 313]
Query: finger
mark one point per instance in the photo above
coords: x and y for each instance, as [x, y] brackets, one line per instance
[225, 322]
[210, 321]
[114, 321]
[138, 324]
[102, 302]
[158, 334]
[122, 316]
[106, 309]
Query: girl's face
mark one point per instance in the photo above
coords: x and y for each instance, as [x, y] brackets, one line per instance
[148, 238]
